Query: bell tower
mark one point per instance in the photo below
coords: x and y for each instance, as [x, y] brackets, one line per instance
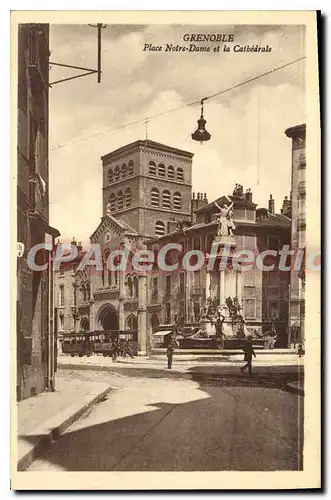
[148, 186]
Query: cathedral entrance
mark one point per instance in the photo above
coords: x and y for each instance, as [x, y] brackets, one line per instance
[108, 318]
[84, 325]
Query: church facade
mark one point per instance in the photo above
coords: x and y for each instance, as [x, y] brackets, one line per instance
[146, 191]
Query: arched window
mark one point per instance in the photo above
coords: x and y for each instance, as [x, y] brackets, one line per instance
[105, 273]
[159, 228]
[112, 200]
[110, 175]
[152, 168]
[171, 172]
[135, 287]
[117, 173]
[166, 199]
[177, 201]
[180, 174]
[131, 323]
[88, 291]
[128, 197]
[155, 197]
[161, 170]
[124, 171]
[130, 168]
[196, 244]
[129, 287]
[120, 200]
[83, 293]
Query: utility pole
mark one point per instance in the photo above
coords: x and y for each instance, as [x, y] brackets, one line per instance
[99, 27]
[88, 71]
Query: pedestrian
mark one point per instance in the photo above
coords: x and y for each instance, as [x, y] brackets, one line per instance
[300, 351]
[249, 353]
[170, 353]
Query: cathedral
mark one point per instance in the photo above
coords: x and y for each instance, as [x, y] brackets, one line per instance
[146, 194]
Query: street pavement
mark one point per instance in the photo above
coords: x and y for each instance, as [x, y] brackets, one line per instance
[158, 420]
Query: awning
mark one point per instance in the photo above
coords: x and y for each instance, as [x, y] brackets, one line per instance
[162, 334]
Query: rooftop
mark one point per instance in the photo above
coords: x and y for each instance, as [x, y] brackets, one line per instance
[297, 131]
[145, 143]
[273, 221]
[226, 199]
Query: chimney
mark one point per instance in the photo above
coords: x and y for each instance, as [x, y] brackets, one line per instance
[249, 196]
[286, 205]
[74, 242]
[79, 246]
[271, 205]
[193, 195]
[205, 197]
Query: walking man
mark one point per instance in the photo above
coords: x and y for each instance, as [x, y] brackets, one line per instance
[170, 353]
[249, 353]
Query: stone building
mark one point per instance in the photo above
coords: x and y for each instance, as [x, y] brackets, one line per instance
[35, 334]
[148, 185]
[263, 295]
[298, 228]
[146, 193]
[66, 295]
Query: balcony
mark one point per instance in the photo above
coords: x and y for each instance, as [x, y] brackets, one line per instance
[302, 161]
[196, 290]
[302, 188]
[302, 222]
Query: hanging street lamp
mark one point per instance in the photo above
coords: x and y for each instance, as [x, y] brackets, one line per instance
[201, 135]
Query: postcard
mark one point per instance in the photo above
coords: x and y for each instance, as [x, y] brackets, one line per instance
[166, 265]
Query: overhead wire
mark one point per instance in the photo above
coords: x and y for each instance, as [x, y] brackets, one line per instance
[177, 108]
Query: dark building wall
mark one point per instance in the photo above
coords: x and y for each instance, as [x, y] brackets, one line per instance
[297, 135]
[32, 206]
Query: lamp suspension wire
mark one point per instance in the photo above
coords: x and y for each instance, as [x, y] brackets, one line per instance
[258, 142]
[162, 113]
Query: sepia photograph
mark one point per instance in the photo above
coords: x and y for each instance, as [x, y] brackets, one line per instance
[167, 250]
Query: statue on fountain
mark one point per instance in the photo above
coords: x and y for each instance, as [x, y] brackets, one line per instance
[226, 225]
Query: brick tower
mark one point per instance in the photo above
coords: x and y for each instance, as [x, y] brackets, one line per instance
[148, 185]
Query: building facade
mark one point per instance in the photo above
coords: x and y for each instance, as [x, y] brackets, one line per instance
[297, 135]
[146, 193]
[35, 333]
[262, 295]
[111, 297]
[65, 295]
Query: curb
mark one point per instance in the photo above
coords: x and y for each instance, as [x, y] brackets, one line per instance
[56, 427]
[290, 388]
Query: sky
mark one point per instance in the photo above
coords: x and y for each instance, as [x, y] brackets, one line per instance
[247, 124]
